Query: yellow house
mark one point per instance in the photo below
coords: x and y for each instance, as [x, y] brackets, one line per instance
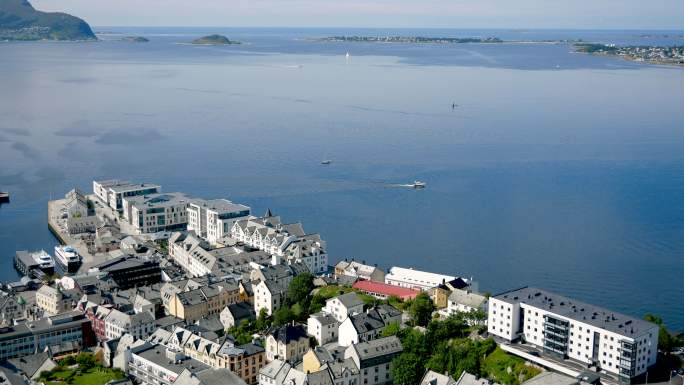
[195, 304]
[440, 296]
[311, 362]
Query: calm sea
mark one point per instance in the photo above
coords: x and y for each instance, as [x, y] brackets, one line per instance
[556, 169]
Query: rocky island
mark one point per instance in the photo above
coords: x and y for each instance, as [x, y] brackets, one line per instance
[409, 39]
[135, 39]
[20, 21]
[214, 40]
[673, 55]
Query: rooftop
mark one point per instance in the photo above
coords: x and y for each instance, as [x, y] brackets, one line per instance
[385, 289]
[157, 355]
[579, 311]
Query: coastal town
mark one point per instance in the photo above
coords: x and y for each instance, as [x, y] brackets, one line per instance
[161, 288]
[666, 55]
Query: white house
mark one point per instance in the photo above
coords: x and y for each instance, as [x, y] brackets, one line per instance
[359, 270]
[563, 327]
[139, 325]
[269, 296]
[368, 325]
[323, 327]
[344, 305]
[464, 301]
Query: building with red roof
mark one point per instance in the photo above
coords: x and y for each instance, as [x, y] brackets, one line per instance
[384, 290]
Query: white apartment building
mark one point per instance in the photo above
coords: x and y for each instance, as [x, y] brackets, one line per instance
[283, 240]
[616, 343]
[415, 279]
[344, 305]
[156, 212]
[323, 327]
[213, 219]
[112, 192]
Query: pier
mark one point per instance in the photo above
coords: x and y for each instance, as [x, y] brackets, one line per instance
[62, 235]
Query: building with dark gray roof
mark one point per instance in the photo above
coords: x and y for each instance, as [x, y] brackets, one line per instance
[567, 328]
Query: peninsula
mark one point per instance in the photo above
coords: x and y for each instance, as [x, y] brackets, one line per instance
[214, 40]
[409, 39]
[20, 21]
[667, 55]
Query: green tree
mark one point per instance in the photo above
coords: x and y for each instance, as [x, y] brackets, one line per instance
[317, 303]
[262, 321]
[666, 341]
[283, 316]
[421, 309]
[300, 288]
[85, 361]
[407, 369]
[391, 330]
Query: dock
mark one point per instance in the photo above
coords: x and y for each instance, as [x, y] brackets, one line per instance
[62, 235]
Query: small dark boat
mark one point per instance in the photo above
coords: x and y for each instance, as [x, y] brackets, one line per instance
[4, 197]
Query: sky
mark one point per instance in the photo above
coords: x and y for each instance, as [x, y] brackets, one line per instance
[594, 14]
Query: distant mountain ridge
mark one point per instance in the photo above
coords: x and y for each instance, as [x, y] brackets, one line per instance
[20, 21]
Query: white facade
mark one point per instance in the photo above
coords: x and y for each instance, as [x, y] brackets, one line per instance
[463, 301]
[341, 308]
[214, 219]
[112, 192]
[323, 327]
[268, 296]
[156, 212]
[616, 343]
[139, 325]
[415, 279]
[282, 240]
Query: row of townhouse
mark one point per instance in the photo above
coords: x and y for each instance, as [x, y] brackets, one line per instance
[199, 258]
[109, 323]
[194, 304]
[288, 241]
[366, 363]
[244, 360]
[155, 364]
[569, 329]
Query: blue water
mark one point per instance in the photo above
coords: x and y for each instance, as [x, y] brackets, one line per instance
[556, 169]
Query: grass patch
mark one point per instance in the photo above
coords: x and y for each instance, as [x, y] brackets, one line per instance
[328, 292]
[81, 370]
[508, 369]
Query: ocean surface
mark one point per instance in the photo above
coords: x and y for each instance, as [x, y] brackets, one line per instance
[555, 169]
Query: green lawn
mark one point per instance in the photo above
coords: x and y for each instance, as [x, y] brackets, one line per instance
[94, 376]
[497, 365]
[332, 291]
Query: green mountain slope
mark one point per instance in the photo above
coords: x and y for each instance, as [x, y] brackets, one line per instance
[20, 21]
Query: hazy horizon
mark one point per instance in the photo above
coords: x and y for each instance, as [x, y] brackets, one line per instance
[487, 14]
